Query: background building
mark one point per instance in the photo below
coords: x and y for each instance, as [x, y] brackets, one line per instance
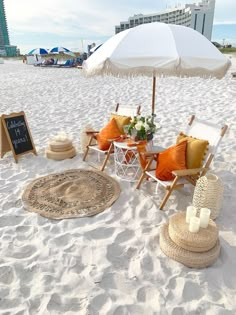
[5, 48]
[197, 16]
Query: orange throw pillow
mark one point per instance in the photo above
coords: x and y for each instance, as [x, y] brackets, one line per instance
[110, 131]
[172, 159]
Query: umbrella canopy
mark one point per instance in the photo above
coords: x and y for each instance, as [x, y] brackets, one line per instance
[38, 51]
[58, 50]
[157, 49]
[95, 48]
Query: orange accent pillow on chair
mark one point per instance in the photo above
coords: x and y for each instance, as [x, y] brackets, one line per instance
[110, 131]
[172, 159]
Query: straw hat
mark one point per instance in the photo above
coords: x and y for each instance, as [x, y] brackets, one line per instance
[60, 148]
[60, 155]
[60, 145]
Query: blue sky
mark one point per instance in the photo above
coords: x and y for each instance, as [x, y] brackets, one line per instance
[75, 24]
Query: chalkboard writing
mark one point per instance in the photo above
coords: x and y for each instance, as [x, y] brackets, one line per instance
[18, 134]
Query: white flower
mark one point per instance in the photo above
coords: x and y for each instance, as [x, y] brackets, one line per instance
[139, 125]
[146, 126]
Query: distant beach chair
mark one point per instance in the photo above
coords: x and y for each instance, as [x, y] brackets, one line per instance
[202, 139]
[68, 64]
[122, 115]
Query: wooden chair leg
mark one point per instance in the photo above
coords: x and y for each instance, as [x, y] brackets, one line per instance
[141, 180]
[107, 157]
[87, 150]
[144, 174]
[168, 193]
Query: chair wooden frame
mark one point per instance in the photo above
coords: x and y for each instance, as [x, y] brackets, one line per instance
[120, 110]
[189, 175]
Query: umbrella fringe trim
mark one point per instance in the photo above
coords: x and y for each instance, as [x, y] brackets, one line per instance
[108, 68]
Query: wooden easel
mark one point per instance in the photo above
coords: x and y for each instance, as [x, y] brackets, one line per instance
[7, 138]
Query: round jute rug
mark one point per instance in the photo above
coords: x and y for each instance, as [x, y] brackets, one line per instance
[71, 194]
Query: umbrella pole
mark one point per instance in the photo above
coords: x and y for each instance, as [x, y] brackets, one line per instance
[153, 94]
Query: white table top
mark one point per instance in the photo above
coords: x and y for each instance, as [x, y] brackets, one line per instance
[124, 145]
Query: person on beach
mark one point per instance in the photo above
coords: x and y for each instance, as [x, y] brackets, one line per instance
[49, 61]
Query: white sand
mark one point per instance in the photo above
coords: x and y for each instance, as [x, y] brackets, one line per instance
[110, 263]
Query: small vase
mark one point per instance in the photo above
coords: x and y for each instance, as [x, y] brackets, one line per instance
[149, 136]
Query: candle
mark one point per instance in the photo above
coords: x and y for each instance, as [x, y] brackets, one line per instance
[204, 217]
[191, 212]
[194, 225]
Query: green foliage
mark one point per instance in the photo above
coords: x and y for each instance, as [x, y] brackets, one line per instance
[140, 127]
[228, 50]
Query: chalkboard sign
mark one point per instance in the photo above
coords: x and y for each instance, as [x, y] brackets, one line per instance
[16, 131]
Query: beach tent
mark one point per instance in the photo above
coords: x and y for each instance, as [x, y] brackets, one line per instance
[157, 49]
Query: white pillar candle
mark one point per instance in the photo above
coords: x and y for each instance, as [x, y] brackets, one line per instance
[194, 225]
[191, 212]
[204, 217]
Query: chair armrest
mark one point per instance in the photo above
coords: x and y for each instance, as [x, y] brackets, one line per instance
[150, 153]
[188, 172]
[91, 132]
[119, 139]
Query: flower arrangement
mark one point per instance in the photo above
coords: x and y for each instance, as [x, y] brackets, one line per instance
[142, 128]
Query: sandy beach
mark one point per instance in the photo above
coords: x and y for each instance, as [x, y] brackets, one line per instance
[110, 263]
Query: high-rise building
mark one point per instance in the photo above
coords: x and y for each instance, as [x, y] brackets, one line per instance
[198, 16]
[5, 48]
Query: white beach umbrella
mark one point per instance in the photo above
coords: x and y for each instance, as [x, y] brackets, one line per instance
[157, 49]
[95, 48]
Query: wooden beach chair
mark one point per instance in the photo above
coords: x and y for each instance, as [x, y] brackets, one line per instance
[202, 139]
[122, 114]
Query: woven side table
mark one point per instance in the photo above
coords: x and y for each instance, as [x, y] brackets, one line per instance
[202, 241]
[186, 257]
[127, 165]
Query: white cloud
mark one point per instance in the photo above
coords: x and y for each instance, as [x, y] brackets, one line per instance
[70, 21]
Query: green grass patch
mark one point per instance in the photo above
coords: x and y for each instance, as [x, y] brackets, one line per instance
[228, 50]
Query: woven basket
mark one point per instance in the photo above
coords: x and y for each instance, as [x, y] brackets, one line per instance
[202, 241]
[187, 258]
[208, 193]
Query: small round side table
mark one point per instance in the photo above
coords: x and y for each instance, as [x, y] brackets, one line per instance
[127, 165]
